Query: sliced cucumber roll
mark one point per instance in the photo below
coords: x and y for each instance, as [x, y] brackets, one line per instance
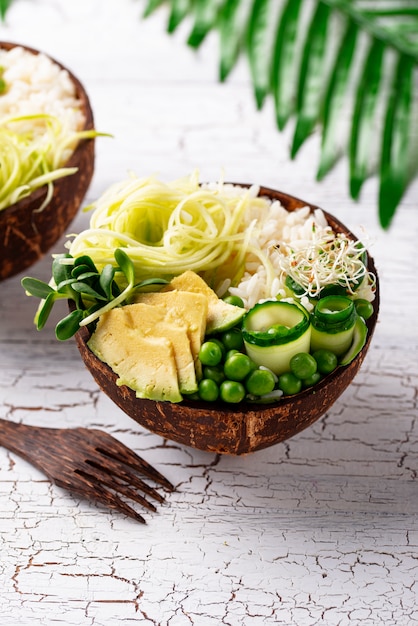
[333, 323]
[358, 341]
[274, 332]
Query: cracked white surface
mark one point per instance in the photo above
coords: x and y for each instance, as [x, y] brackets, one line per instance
[319, 530]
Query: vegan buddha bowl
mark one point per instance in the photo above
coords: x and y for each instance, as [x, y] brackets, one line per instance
[223, 316]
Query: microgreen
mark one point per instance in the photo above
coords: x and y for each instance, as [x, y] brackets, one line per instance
[91, 291]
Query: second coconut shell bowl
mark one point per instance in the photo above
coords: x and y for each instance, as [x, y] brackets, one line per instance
[26, 234]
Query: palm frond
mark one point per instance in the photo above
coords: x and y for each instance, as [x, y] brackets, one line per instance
[4, 5]
[394, 166]
[179, 9]
[334, 99]
[151, 6]
[232, 30]
[285, 62]
[309, 94]
[317, 57]
[362, 133]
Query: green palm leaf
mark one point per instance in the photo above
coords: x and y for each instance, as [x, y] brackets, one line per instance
[205, 19]
[259, 48]
[310, 76]
[4, 5]
[232, 28]
[394, 166]
[285, 62]
[313, 70]
[151, 6]
[179, 9]
[363, 133]
[334, 100]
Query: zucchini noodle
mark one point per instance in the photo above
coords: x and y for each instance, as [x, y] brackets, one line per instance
[169, 228]
[33, 150]
[236, 240]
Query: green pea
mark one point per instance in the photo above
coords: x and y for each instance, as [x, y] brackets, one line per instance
[220, 344]
[214, 373]
[364, 308]
[237, 366]
[303, 365]
[210, 353]
[326, 361]
[232, 391]
[235, 300]
[232, 339]
[208, 390]
[289, 384]
[259, 382]
[311, 380]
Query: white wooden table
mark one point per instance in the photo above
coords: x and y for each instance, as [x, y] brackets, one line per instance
[321, 529]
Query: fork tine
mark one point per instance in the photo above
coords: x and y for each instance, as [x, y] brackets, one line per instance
[122, 453]
[117, 471]
[88, 462]
[107, 497]
[88, 487]
[128, 485]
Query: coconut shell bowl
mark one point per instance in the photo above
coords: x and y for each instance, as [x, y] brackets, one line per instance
[26, 233]
[242, 428]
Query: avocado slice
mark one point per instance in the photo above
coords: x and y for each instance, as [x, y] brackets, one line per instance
[153, 321]
[145, 364]
[186, 308]
[221, 315]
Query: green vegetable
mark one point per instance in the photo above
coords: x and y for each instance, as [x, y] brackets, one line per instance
[274, 331]
[231, 352]
[330, 262]
[214, 373]
[210, 353]
[232, 391]
[260, 382]
[333, 322]
[294, 287]
[169, 228]
[311, 380]
[303, 365]
[333, 310]
[326, 361]
[289, 384]
[219, 343]
[364, 308]
[34, 158]
[232, 339]
[358, 342]
[237, 366]
[208, 390]
[92, 292]
[234, 300]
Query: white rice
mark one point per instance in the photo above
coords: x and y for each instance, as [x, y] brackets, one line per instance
[273, 230]
[272, 226]
[36, 85]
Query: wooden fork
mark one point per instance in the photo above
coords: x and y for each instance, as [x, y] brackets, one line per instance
[87, 462]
